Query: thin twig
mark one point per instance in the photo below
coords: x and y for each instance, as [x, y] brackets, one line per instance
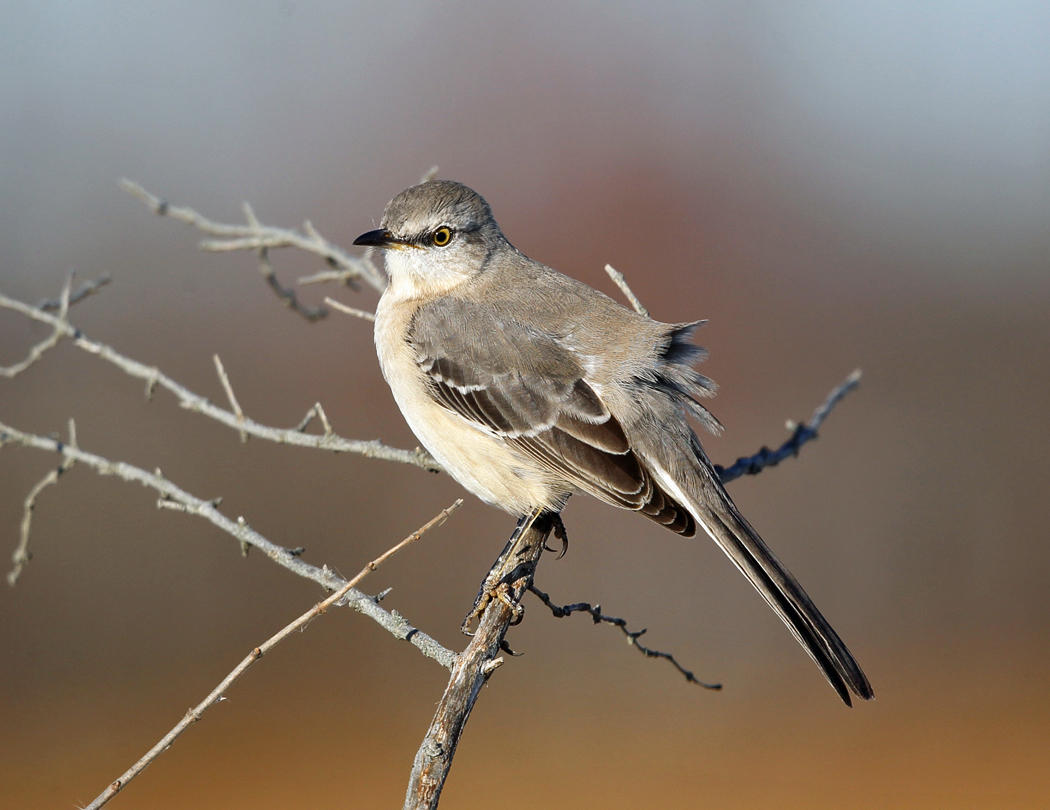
[754, 464]
[596, 614]
[363, 314]
[198, 404]
[239, 529]
[287, 295]
[81, 292]
[225, 380]
[57, 333]
[315, 412]
[325, 425]
[21, 556]
[219, 692]
[836, 395]
[329, 276]
[340, 276]
[254, 236]
[628, 293]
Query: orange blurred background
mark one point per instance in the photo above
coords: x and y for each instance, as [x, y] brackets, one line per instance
[833, 185]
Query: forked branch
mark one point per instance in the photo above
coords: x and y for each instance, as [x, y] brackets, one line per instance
[174, 497]
[255, 236]
[154, 378]
[219, 692]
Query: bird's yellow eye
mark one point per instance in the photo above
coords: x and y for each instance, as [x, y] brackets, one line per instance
[442, 236]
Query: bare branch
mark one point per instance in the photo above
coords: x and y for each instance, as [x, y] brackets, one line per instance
[344, 277]
[255, 236]
[198, 404]
[513, 572]
[754, 464]
[37, 351]
[595, 611]
[20, 557]
[628, 293]
[836, 395]
[219, 692]
[325, 276]
[363, 314]
[240, 531]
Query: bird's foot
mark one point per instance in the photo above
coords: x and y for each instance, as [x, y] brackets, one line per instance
[492, 590]
[505, 595]
[510, 567]
[561, 534]
[474, 614]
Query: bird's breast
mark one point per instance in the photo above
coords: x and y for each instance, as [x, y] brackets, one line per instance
[478, 459]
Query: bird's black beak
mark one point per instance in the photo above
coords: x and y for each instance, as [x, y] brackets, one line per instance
[378, 238]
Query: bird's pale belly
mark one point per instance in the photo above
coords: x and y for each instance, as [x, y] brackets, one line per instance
[462, 448]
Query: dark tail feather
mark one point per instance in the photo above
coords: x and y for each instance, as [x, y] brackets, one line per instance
[715, 511]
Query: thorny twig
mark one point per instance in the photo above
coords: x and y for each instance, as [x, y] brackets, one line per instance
[800, 434]
[595, 612]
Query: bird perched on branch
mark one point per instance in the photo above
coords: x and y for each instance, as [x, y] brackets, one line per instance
[527, 386]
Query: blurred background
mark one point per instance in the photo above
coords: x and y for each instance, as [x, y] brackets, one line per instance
[833, 185]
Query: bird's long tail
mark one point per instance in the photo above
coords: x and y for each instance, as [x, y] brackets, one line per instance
[706, 499]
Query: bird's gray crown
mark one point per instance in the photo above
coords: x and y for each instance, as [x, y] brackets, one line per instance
[420, 209]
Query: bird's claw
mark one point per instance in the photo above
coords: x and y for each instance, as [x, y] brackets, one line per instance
[561, 534]
[499, 591]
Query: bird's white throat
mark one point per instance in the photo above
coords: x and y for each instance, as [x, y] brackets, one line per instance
[416, 272]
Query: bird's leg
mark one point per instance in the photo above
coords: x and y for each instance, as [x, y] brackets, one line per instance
[490, 585]
[504, 571]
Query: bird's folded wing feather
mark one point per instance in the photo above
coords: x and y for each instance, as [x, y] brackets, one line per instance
[529, 389]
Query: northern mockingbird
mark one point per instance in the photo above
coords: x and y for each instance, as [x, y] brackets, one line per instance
[528, 386]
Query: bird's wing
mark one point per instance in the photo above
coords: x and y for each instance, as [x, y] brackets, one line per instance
[529, 389]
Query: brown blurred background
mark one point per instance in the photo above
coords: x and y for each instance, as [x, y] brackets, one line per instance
[833, 185]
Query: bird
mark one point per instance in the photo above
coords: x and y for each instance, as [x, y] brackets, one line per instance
[528, 386]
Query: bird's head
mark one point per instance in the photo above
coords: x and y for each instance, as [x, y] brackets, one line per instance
[435, 236]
